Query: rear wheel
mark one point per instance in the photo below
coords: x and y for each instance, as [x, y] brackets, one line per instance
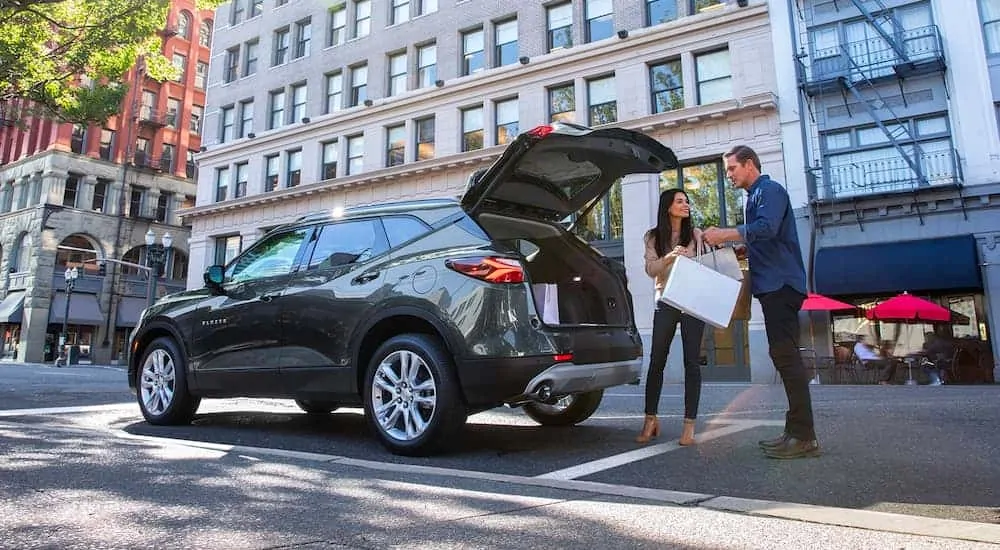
[312, 406]
[569, 410]
[411, 396]
[161, 381]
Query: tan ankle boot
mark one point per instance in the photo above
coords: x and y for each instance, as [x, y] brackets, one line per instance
[650, 429]
[687, 436]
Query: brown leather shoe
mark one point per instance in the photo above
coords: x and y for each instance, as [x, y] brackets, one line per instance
[793, 448]
[771, 443]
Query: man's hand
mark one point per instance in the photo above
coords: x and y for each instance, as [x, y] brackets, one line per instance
[715, 236]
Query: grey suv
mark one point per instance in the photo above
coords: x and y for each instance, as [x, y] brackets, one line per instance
[422, 312]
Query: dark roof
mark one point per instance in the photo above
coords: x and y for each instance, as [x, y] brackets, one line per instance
[379, 209]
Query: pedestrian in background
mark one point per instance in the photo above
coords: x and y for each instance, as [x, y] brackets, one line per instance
[673, 236]
[778, 280]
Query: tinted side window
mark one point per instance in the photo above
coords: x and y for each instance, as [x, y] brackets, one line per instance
[273, 256]
[400, 229]
[345, 243]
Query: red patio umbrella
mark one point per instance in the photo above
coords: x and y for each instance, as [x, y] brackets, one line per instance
[818, 302]
[907, 307]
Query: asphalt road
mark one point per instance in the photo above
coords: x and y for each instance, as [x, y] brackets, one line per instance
[923, 451]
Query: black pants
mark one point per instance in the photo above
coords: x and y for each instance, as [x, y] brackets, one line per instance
[781, 321]
[664, 325]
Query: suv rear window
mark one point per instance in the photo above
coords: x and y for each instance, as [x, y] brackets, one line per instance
[400, 229]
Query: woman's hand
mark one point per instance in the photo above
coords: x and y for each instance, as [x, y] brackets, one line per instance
[680, 251]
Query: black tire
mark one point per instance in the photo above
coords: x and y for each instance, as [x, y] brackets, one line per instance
[581, 406]
[171, 373]
[442, 422]
[316, 407]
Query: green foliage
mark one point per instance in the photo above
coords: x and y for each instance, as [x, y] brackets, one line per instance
[70, 57]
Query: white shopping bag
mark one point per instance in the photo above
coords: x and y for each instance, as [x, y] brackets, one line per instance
[722, 260]
[701, 292]
[547, 302]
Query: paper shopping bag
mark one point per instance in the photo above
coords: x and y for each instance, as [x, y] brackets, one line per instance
[723, 260]
[701, 292]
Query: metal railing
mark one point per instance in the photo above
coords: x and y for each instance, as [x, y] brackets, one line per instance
[874, 57]
[888, 174]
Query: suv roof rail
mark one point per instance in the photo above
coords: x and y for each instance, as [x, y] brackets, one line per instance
[384, 208]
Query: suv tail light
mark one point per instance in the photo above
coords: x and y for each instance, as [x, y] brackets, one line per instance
[541, 131]
[489, 268]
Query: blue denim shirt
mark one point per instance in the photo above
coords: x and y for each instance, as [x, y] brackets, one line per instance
[772, 240]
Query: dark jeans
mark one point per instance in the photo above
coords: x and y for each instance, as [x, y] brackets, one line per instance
[665, 321]
[781, 321]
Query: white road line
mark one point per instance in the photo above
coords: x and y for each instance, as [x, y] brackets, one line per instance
[615, 461]
[64, 410]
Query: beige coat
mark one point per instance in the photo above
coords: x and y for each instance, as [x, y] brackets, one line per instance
[659, 267]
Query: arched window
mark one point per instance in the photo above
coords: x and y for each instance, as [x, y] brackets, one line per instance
[205, 33]
[134, 256]
[83, 257]
[178, 265]
[184, 25]
[22, 252]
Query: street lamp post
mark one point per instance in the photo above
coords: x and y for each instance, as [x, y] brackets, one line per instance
[156, 257]
[70, 277]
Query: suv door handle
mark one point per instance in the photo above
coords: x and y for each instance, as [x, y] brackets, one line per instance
[366, 277]
[266, 298]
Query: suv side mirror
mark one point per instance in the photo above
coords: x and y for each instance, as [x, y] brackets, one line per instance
[214, 276]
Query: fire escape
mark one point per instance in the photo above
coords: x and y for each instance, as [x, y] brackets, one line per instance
[858, 71]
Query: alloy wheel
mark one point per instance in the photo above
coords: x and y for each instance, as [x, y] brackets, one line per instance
[404, 395]
[157, 382]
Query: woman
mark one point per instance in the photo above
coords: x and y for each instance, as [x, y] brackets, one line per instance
[673, 236]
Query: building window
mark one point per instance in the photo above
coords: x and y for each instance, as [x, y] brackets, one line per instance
[698, 6]
[167, 158]
[190, 168]
[303, 36]
[298, 102]
[276, 108]
[362, 18]
[990, 12]
[250, 58]
[180, 63]
[562, 104]
[472, 52]
[334, 92]
[560, 23]
[231, 68]
[506, 42]
[71, 191]
[135, 201]
[205, 33]
[242, 171]
[600, 20]
[107, 144]
[506, 116]
[270, 173]
[667, 86]
[246, 118]
[396, 145]
[705, 183]
[604, 222]
[201, 76]
[221, 184]
[100, 194]
[426, 6]
[359, 85]
[281, 40]
[293, 172]
[338, 25]
[173, 112]
[400, 12]
[228, 118]
[78, 141]
[227, 248]
[142, 152]
[194, 125]
[355, 154]
[425, 138]
[660, 11]
[602, 108]
[397, 74]
[426, 65]
[472, 129]
[147, 110]
[162, 204]
[329, 168]
[184, 25]
[714, 77]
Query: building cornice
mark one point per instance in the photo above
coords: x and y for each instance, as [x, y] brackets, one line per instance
[687, 34]
[766, 101]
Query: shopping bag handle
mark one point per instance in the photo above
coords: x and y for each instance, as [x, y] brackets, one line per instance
[699, 245]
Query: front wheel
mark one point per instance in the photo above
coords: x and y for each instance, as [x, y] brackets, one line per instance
[161, 381]
[569, 410]
[411, 396]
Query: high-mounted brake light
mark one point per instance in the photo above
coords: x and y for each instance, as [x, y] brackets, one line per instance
[489, 269]
[541, 131]
[563, 358]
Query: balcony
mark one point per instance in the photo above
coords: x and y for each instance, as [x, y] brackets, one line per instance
[152, 117]
[889, 173]
[143, 161]
[875, 59]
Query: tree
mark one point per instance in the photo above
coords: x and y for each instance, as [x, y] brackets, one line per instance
[69, 57]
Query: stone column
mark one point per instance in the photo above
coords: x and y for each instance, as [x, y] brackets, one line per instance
[176, 203]
[53, 186]
[35, 189]
[17, 188]
[989, 250]
[113, 200]
[85, 196]
[5, 194]
[149, 202]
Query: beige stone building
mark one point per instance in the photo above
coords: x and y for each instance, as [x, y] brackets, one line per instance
[412, 113]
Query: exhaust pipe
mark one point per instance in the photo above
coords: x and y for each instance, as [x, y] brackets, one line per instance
[542, 394]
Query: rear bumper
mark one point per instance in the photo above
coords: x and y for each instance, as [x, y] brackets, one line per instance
[567, 378]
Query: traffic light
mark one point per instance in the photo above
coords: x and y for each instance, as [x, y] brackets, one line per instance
[102, 269]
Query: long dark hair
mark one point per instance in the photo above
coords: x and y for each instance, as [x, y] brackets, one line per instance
[661, 233]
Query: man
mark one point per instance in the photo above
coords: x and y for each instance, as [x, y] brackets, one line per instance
[778, 280]
[864, 352]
